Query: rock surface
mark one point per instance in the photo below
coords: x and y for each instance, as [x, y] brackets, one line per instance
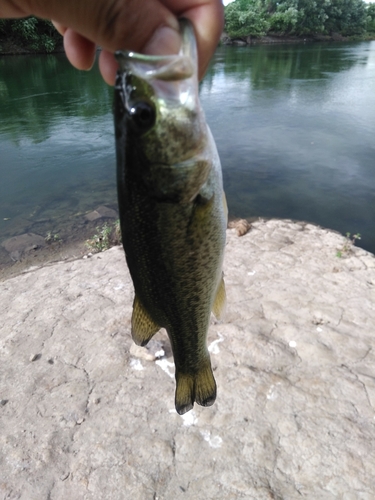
[101, 213]
[18, 245]
[84, 417]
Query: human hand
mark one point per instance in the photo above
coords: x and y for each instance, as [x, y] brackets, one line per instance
[148, 26]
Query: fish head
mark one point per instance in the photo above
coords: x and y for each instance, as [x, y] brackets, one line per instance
[164, 122]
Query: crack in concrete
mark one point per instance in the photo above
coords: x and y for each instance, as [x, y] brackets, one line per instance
[355, 375]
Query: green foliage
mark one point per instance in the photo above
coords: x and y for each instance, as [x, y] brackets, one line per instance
[52, 237]
[312, 16]
[370, 18]
[2, 26]
[298, 17]
[107, 236]
[347, 17]
[244, 18]
[284, 20]
[348, 245]
[37, 35]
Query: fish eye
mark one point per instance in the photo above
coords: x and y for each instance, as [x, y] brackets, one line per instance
[143, 116]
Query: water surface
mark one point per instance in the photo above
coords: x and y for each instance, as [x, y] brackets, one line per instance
[294, 126]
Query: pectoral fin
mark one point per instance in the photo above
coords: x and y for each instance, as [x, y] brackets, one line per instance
[143, 326]
[220, 300]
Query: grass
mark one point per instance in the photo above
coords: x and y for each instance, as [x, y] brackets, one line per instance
[348, 244]
[52, 237]
[106, 236]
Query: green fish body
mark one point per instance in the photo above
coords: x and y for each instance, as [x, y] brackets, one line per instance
[172, 210]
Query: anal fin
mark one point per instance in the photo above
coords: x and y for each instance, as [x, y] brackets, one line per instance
[220, 300]
[143, 326]
[199, 387]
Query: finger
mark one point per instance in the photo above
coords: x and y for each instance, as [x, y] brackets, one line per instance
[8, 9]
[165, 40]
[207, 17]
[59, 27]
[114, 24]
[108, 66]
[79, 50]
[208, 22]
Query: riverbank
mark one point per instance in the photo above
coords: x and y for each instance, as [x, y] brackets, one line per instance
[289, 39]
[85, 414]
[11, 47]
[38, 245]
[80, 238]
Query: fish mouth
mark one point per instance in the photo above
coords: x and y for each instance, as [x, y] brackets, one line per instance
[175, 67]
[165, 68]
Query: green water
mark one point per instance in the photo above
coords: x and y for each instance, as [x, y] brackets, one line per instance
[294, 125]
[295, 128]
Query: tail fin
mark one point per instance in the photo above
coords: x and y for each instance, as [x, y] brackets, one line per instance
[199, 387]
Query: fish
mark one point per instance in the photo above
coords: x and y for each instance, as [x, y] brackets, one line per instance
[173, 212]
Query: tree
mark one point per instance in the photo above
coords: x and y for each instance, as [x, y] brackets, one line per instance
[38, 35]
[347, 17]
[244, 18]
[370, 17]
[311, 16]
[284, 19]
[300, 17]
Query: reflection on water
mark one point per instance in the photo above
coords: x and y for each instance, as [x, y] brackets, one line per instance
[56, 143]
[294, 127]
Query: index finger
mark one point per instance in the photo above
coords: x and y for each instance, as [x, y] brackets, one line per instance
[207, 17]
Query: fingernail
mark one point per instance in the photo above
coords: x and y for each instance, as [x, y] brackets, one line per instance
[164, 41]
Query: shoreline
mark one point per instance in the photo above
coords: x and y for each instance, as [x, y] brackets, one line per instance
[77, 248]
[11, 48]
[42, 257]
[37, 245]
[274, 39]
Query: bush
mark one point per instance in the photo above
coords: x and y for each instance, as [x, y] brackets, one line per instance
[370, 18]
[38, 35]
[284, 22]
[3, 23]
[299, 17]
[244, 20]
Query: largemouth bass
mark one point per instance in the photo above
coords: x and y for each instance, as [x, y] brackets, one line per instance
[172, 210]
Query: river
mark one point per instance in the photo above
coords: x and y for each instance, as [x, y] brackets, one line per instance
[294, 125]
